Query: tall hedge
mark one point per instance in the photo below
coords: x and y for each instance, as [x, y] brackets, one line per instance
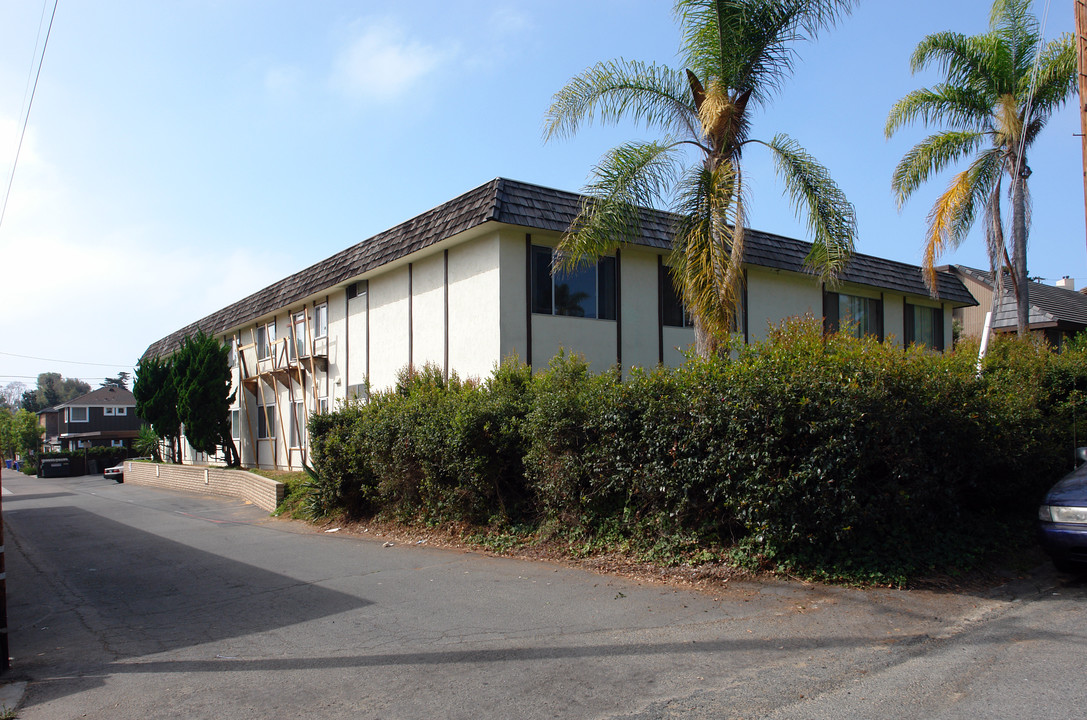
[828, 454]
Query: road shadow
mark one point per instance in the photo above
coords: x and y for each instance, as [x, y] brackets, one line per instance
[85, 591]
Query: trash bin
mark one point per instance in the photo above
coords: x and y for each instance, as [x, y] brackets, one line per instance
[54, 467]
[8, 464]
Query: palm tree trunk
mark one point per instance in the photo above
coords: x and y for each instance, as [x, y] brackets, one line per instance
[1019, 250]
[705, 344]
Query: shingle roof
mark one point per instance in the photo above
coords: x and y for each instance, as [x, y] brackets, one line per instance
[102, 397]
[1049, 305]
[531, 206]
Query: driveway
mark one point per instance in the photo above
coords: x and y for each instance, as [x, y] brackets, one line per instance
[134, 602]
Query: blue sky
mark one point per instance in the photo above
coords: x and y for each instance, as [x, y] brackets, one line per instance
[182, 155]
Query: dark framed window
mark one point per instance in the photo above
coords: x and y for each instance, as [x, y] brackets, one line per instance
[923, 325]
[860, 316]
[266, 338]
[673, 313]
[587, 292]
[266, 421]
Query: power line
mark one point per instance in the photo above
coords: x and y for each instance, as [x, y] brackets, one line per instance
[26, 119]
[70, 362]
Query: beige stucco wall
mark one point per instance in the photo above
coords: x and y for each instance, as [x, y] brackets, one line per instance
[773, 295]
[475, 312]
[641, 313]
[355, 341]
[388, 326]
[513, 293]
[428, 310]
[595, 339]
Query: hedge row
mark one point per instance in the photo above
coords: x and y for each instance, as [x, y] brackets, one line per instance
[832, 455]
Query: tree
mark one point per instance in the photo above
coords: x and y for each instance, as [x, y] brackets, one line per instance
[999, 92]
[11, 395]
[28, 433]
[203, 378]
[737, 54]
[121, 381]
[53, 389]
[7, 433]
[156, 400]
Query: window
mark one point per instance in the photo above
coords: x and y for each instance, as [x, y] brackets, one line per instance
[232, 355]
[298, 424]
[673, 311]
[117, 443]
[860, 316]
[236, 424]
[266, 338]
[118, 411]
[300, 334]
[924, 326]
[77, 414]
[673, 314]
[266, 421]
[320, 321]
[322, 405]
[587, 292]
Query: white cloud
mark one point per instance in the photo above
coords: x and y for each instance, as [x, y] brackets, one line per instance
[382, 63]
[77, 290]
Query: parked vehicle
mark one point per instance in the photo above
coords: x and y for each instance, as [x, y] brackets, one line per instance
[1062, 519]
[117, 472]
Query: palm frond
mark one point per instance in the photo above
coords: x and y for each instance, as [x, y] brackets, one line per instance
[632, 176]
[958, 107]
[967, 61]
[929, 157]
[831, 218]
[1017, 30]
[748, 44]
[1056, 79]
[707, 254]
[953, 214]
[610, 91]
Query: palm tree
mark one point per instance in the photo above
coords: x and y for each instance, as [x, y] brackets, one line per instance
[736, 55]
[1000, 90]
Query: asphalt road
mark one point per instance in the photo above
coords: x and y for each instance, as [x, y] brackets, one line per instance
[132, 602]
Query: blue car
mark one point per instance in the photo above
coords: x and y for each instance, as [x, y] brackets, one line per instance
[1062, 520]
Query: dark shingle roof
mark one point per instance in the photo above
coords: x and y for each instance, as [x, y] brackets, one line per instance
[102, 397]
[1049, 305]
[536, 207]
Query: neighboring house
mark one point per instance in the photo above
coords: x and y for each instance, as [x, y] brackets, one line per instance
[467, 284]
[103, 417]
[1056, 312]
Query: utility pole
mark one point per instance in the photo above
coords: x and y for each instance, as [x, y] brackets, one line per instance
[1081, 66]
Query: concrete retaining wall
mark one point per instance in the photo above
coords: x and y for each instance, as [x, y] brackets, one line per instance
[262, 492]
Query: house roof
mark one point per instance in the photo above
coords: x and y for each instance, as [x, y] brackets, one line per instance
[535, 207]
[1050, 306]
[102, 397]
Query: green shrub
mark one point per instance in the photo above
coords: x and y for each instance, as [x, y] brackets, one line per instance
[826, 454]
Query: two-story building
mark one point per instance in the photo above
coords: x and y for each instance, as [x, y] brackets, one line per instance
[103, 417]
[469, 283]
